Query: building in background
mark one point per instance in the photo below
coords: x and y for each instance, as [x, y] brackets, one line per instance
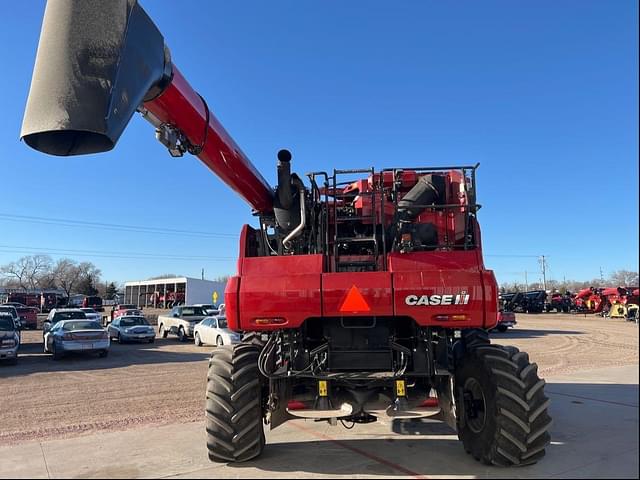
[167, 292]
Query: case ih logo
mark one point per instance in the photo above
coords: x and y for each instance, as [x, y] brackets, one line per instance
[415, 300]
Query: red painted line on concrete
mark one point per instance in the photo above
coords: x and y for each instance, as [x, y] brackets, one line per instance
[368, 455]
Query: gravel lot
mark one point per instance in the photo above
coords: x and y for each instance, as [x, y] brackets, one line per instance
[163, 383]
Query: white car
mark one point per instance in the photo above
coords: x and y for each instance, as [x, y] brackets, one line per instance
[214, 331]
[91, 314]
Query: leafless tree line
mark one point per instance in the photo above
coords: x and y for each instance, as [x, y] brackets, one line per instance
[41, 272]
[620, 278]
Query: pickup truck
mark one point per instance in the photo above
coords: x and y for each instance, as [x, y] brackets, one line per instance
[181, 321]
[505, 320]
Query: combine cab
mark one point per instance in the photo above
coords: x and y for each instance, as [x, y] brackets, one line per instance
[362, 294]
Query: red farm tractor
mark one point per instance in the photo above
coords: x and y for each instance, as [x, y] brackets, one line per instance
[361, 294]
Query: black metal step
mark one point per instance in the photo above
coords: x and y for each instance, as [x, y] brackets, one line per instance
[354, 218]
[357, 263]
[355, 239]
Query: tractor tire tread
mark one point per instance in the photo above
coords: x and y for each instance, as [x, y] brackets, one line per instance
[233, 404]
[520, 419]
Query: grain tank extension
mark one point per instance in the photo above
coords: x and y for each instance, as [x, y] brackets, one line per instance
[361, 294]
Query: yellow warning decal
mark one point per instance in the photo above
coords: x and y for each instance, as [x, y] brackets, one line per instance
[322, 388]
[400, 389]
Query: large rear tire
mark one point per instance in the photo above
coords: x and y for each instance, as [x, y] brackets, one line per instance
[234, 406]
[503, 418]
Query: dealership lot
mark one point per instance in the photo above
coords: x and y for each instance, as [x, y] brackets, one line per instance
[143, 406]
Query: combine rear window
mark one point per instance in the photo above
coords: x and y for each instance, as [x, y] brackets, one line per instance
[73, 326]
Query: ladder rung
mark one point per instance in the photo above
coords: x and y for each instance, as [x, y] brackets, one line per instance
[357, 263]
[355, 239]
[357, 170]
[352, 194]
[345, 219]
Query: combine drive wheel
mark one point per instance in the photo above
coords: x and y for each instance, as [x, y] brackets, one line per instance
[233, 406]
[503, 410]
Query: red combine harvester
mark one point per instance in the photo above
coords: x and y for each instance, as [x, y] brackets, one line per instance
[589, 300]
[362, 294]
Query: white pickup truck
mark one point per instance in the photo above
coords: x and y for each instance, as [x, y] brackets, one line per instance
[181, 321]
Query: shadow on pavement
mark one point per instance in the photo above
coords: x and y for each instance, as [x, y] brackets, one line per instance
[585, 442]
[32, 358]
[524, 333]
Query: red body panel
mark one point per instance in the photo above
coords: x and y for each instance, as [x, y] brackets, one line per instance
[444, 273]
[181, 106]
[374, 287]
[286, 287]
[294, 288]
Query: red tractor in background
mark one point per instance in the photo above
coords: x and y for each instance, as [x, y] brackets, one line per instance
[362, 294]
[619, 301]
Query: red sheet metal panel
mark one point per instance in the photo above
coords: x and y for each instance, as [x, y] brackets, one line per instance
[341, 292]
[443, 288]
[285, 287]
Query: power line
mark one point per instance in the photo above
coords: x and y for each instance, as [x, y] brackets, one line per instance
[511, 256]
[107, 254]
[111, 226]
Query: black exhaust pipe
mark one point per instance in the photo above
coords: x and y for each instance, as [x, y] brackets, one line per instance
[97, 61]
[284, 178]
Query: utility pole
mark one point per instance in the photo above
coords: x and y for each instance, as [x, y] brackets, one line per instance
[203, 274]
[544, 272]
[601, 275]
[526, 282]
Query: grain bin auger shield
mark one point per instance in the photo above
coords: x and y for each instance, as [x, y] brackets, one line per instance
[98, 63]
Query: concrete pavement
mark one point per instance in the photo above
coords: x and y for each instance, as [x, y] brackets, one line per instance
[595, 434]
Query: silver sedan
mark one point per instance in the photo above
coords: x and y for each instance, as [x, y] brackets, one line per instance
[76, 336]
[131, 328]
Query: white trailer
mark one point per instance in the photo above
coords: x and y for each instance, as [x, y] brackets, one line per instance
[183, 290]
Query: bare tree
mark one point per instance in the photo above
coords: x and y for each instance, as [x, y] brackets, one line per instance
[66, 274]
[26, 272]
[39, 266]
[624, 278]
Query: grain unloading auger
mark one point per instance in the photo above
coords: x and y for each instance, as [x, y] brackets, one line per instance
[362, 294]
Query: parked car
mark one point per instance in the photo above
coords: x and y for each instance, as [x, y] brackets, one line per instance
[505, 320]
[181, 321]
[120, 309]
[214, 331]
[93, 302]
[28, 317]
[14, 304]
[131, 328]
[91, 314]
[11, 310]
[9, 339]
[58, 314]
[76, 336]
[210, 308]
